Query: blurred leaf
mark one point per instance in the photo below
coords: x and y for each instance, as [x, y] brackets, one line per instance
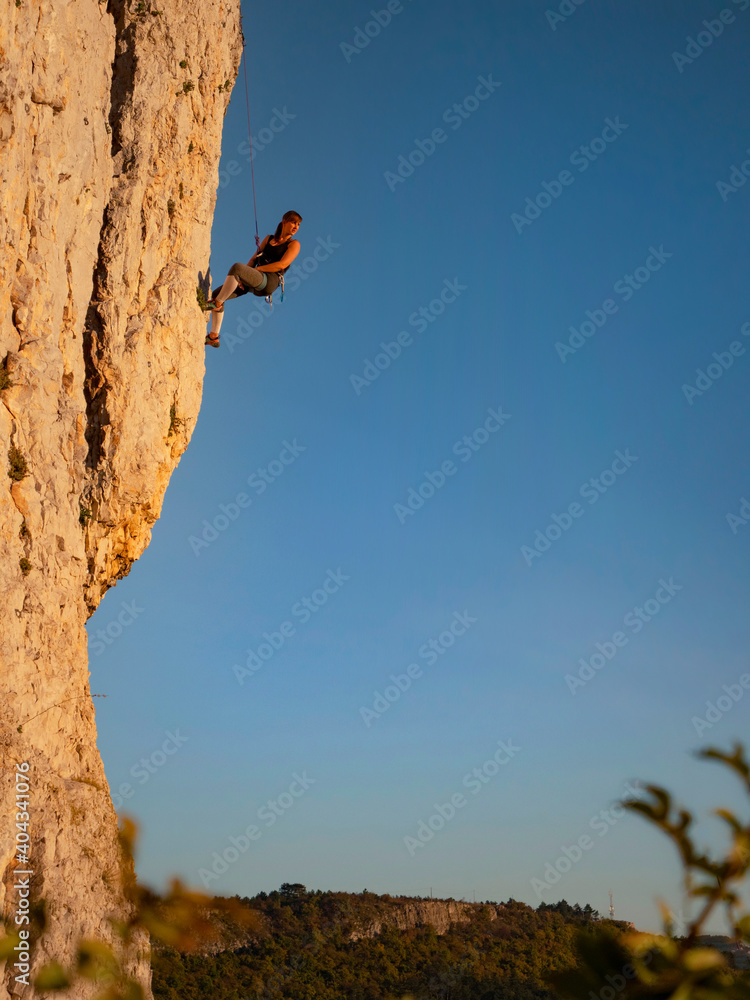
[128, 833]
[729, 818]
[702, 959]
[160, 930]
[94, 959]
[640, 943]
[684, 991]
[8, 944]
[122, 929]
[132, 991]
[52, 977]
[736, 761]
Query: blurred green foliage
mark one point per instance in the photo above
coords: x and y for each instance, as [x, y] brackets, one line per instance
[661, 966]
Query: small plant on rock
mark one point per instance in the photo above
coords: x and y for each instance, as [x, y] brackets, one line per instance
[175, 422]
[17, 468]
[6, 382]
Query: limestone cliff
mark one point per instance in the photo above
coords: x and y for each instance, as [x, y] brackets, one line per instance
[111, 115]
[360, 917]
[404, 915]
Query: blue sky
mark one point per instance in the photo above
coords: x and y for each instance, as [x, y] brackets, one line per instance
[638, 234]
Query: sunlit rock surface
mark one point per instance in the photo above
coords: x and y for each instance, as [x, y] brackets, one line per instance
[110, 129]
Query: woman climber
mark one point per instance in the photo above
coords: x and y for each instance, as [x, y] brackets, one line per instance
[261, 275]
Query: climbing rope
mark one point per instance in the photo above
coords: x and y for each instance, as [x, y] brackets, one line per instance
[249, 133]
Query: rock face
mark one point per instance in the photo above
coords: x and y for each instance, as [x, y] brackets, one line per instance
[439, 914]
[363, 919]
[110, 127]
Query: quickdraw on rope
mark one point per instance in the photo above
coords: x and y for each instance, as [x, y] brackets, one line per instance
[249, 133]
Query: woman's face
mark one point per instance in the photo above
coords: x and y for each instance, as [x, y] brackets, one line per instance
[289, 227]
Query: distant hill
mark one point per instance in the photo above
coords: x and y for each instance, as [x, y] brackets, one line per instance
[328, 945]
[739, 953]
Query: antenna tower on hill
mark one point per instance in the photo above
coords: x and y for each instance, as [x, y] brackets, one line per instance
[611, 906]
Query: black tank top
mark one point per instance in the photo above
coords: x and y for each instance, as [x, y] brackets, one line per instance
[273, 254]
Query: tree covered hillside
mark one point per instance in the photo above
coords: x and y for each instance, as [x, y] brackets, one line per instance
[301, 947]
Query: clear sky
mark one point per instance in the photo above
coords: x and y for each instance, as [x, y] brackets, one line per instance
[500, 336]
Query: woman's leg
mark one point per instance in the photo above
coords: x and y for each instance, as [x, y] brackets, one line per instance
[228, 288]
[216, 318]
[240, 273]
[249, 276]
[237, 273]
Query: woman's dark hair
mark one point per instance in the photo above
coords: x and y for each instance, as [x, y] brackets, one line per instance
[287, 217]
